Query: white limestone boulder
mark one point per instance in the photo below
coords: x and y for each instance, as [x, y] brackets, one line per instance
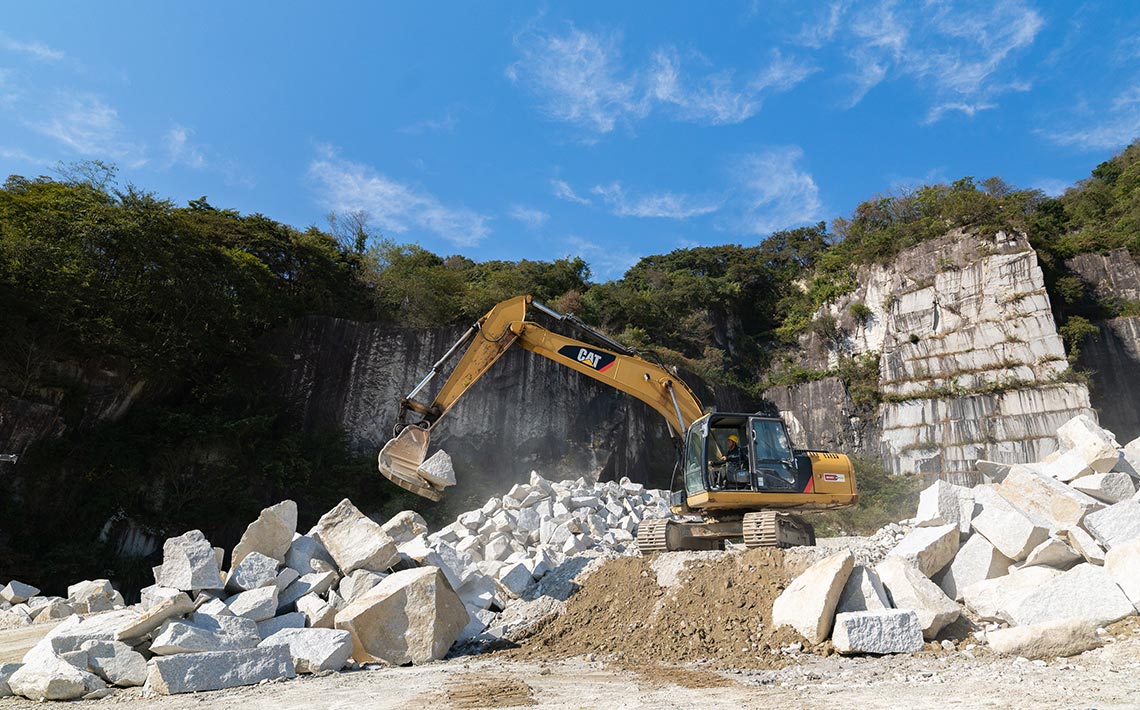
[808, 603]
[307, 555]
[319, 613]
[863, 591]
[1084, 544]
[945, 504]
[1106, 487]
[292, 620]
[1123, 564]
[1115, 525]
[405, 526]
[909, 588]
[354, 540]
[49, 677]
[1069, 466]
[197, 672]
[1047, 640]
[977, 560]
[1084, 592]
[205, 632]
[258, 604]
[314, 583]
[412, 616]
[271, 534]
[881, 631]
[1008, 529]
[992, 599]
[928, 549]
[1046, 499]
[438, 470]
[358, 583]
[1097, 446]
[16, 592]
[115, 662]
[93, 596]
[189, 563]
[314, 650]
[1054, 552]
[255, 570]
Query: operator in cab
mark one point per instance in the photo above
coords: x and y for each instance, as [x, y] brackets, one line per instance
[734, 454]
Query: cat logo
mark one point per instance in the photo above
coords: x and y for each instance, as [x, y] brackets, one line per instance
[595, 359]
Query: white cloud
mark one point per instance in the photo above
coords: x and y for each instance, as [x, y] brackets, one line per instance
[580, 78]
[823, 29]
[1052, 186]
[346, 186]
[773, 192]
[529, 216]
[668, 205]
[35, 50]
[180, 150]
[606, 261]
[563, 191]
[446, 124]
[89, 127]
[937, 112]
[1109, 128]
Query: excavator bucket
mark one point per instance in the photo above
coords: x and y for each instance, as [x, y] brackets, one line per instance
[402, 456]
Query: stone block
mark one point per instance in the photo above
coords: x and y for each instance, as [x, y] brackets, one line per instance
[314, 650]
[1115, 525]
[1084, 544]
[1084, 592]
[319, 614]
[292, 620]
[1008, 529]
[314, 583]
[1123, 564]
[196, 672]
[1107, 487]
[945, 504]
[115, 662]
[1047, 640]
[412, 616]
[977, 560]
[515, 578]
[992, 469]
[808, 604]
[358, 583]
[271, 534]
[1084, 436]
[437, 470]
[909, 588]
[880, 631]
[259, 604]
[862, 592]
[72, 633]
[205, 632]
[1069, 466]
[991, 599]
[215, 607]
[307, 555]
[1054, 552]
[288, 575]
[152, 595]
[405, 525]
[6, 671]
[1046, 499]
[93, 596]
[480, 592]
[49, 677]
[255, 570]
[57, 609]
[354, 540]
[17, 592]
[154, 617]
[929, 549]
[189, 563]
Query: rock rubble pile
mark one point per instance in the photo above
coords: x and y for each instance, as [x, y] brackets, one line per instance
[1049, 550]
[350, 591]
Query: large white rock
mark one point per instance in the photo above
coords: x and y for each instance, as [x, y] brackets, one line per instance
[991, 599]
[1069, 466]
[204, 632]
[1085, 544]
[909, 588]
[928, 549]
[93, 596]
[455, 565]
[1084, 592]
[358, 583]
[292, 620]
[115, 662]
[993, 470]
[862, 592]
[1047, 640]
[259, 604]
[1115, 525]
[1054, 552]
[412, 616]
[314, 650]
[189, 563]
[271, 534]
[49, 677]
[307, 555]
[945, 504]
[1046, 499]
[72, 633]
[1008, 529]
[437, 470]
[808, 603]
[976, 560]
[1107, 487]
[881, 631]
[17, 592]
[195, 672]
[354, 540]
[1097, 446]
[255, 570]
[319, 614]
[314, 583]
[1123, 564]
[404, 526]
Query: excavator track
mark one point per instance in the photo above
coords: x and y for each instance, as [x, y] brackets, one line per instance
[772, 528]
[653, 535]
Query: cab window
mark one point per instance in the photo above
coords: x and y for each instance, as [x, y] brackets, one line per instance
[695, 458]
[772, 442]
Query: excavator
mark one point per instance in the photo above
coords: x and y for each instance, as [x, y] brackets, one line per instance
[741, 478]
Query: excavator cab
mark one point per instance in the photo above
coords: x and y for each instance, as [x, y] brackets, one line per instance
[742, 452]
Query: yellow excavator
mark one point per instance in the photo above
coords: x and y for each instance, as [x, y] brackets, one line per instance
[739, 472]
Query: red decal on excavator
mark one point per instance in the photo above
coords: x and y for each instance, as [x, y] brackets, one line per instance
[810, 485]
[606, 367]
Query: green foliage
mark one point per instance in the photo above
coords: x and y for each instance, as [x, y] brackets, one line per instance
[883, 499]
[861, 312]
[1074, 332]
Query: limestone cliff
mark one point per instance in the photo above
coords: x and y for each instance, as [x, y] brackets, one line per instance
[970, 364]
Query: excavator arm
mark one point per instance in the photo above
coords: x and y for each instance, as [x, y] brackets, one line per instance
[485, 342]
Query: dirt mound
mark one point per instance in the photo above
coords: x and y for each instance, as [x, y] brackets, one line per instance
[718, 610]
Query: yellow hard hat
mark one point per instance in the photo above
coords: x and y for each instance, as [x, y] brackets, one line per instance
[734, 438]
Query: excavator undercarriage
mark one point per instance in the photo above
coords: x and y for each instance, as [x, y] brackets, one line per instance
[766, 528]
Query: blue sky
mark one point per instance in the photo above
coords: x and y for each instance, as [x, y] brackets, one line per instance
[605, 130]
